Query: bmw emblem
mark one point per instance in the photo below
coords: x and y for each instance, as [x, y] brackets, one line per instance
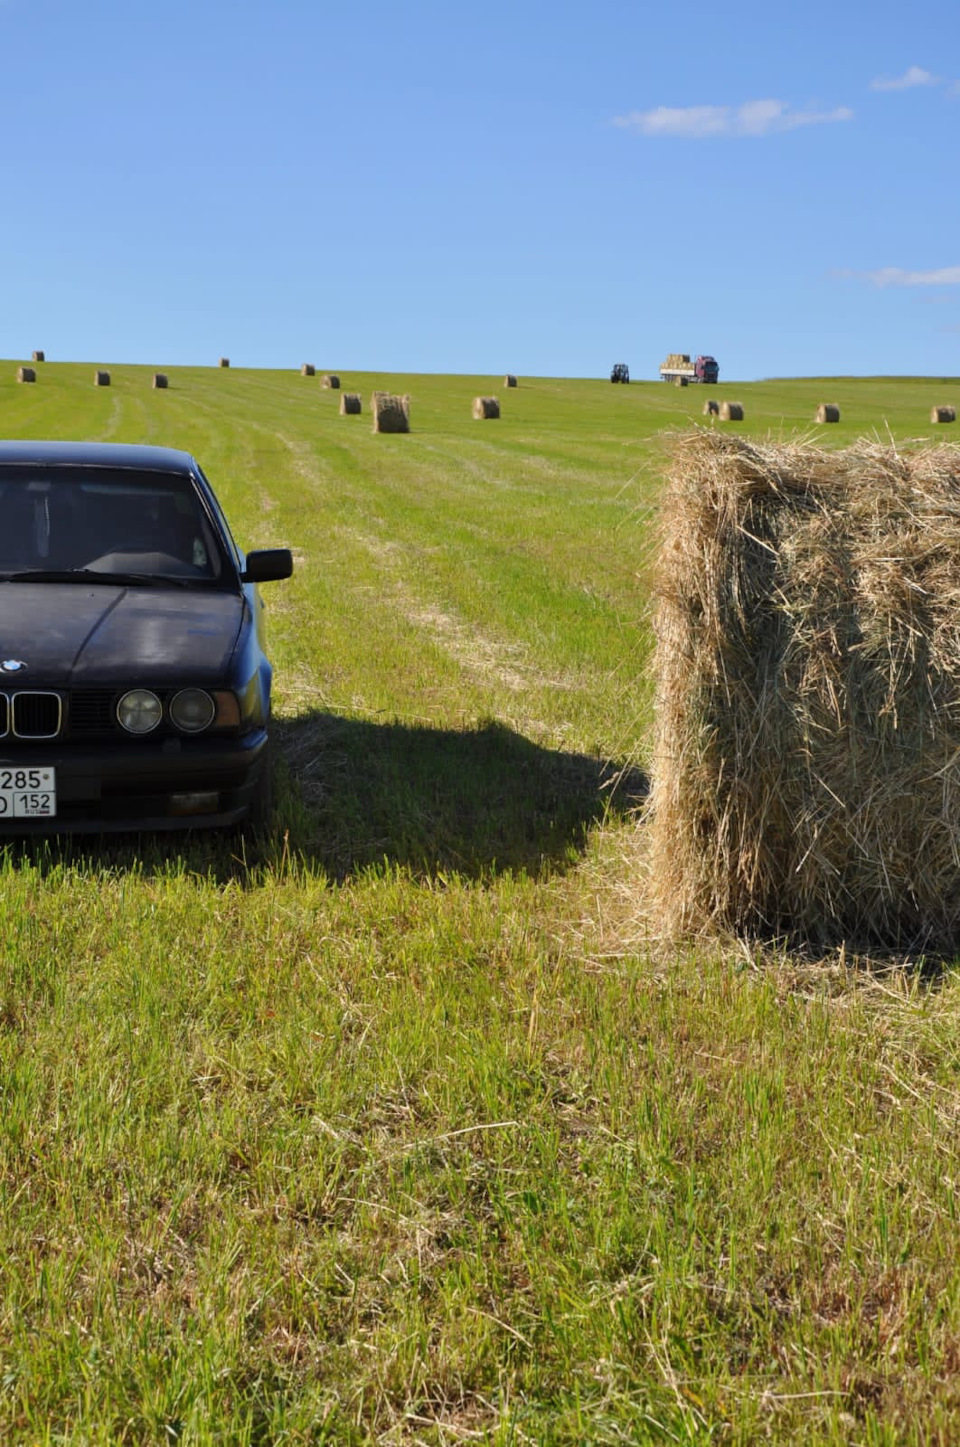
[13, 665]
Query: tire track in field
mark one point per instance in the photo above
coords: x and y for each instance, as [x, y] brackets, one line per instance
[479, 654]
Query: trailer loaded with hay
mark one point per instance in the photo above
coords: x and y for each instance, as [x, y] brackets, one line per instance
[806, 773]
[679, 364]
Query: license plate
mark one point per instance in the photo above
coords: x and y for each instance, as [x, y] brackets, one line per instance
[28, 793]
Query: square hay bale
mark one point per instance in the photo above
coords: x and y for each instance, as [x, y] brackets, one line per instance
[943, 414]
[101, 378]
[509, 380]
[731, 412]
[350, 404]
[308, 370]
[486, 407]
[160, 380]
[38, 357]
[828, 412]
[26, 374]
[332, 380]
[390, 413]
[806, 774]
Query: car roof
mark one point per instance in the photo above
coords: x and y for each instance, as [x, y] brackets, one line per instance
[126, 455]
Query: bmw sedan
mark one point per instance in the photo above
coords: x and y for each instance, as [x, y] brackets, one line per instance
[134, 682]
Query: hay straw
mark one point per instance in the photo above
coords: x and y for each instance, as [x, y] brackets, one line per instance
[486, 407]
[828, 412]
[509, 380]
[731, 412]
[806, 774]
[331, 380]
[308, 370]
[26, 374]
[390, 413]
[711, 408]
[224, 362]
[101, 378]
[681, 381]
[350, 404]
[39, 357]
[160, 380]
[943, 414]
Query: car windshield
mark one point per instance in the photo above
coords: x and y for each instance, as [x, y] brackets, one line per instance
[130, 527]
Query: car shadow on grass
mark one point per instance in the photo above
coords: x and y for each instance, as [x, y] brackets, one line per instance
[353, 795]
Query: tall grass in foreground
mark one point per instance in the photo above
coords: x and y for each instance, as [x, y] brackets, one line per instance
[399, 1131]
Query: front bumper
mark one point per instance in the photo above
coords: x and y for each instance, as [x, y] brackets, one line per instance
[110, 788]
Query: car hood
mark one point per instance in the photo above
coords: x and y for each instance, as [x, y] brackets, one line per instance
[79, 633]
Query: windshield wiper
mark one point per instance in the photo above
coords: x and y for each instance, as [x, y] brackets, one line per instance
[94, 575]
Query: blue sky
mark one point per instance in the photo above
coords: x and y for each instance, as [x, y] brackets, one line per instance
[537, 188]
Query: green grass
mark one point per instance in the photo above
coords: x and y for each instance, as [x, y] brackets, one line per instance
[398, 1132]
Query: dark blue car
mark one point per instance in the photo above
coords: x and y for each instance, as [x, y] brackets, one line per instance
[134, 684]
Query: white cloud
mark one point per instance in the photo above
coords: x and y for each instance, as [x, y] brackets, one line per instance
[913, 75]
[897, 276]
[753, 118]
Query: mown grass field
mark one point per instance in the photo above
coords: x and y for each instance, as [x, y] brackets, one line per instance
[399, 1131]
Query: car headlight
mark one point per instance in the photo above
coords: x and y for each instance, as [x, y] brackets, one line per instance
[192, 710]
[139, 711]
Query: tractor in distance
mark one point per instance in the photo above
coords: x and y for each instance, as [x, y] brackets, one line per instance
[620, 372]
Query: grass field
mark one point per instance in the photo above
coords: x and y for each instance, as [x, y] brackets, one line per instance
[398, 1132]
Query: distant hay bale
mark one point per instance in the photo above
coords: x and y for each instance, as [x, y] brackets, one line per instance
[943, 414]
[101, 378]
[679, 381]
[828, 412]
[711, 408]
[509, 380]
[308, 370]
[390, 413]
[731, 412]
[39, 357]
[486, 407]
[224, 362]
[26, 374]
[350, 404]
[806, 771]
[160, 380]
[331, 381]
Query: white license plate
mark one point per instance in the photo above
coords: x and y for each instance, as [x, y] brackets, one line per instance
[27, 793]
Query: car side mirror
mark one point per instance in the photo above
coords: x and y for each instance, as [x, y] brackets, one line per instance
[267, 565]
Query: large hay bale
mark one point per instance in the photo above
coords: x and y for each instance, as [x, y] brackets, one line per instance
[711, 408]
[350, 404]
[486, 407]
[943, 414]
[160, 380]
[26, 374]
[731, 412]
[679, 381]
[828, 412]
[224, 362]
[101, 378]
[806, 776]
[308, 370]
[39, 357]
[390, 413]
[509, 380]
[332, 380]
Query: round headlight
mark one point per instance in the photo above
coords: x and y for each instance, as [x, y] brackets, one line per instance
[139, 711]
[192, 710]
